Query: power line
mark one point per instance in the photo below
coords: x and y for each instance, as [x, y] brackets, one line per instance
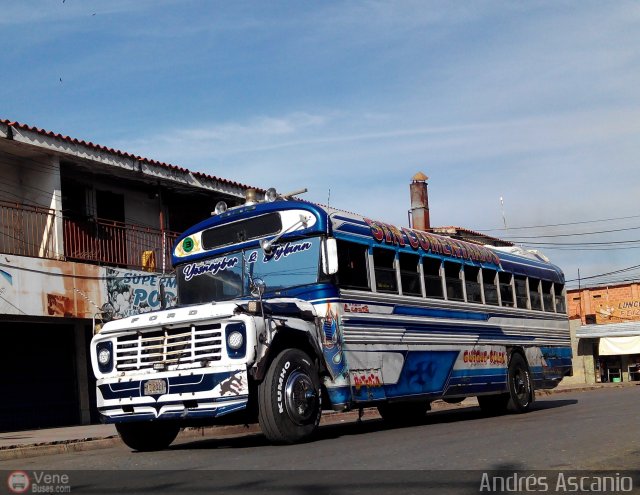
[502, 229]
[584, 244]
[569, 235]
[629, 268]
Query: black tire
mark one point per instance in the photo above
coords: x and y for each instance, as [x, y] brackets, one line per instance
[148, 436]
[289, 398]
[399, 413]
[521, 393]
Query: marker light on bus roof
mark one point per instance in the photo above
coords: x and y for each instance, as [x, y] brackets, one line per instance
[250, 197]
[221, 207]
[271, 195]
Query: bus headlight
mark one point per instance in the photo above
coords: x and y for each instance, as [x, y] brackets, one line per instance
[104, 351]
[236, 340]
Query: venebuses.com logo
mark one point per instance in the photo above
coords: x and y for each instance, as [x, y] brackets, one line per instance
[18, 482]
[38, 482]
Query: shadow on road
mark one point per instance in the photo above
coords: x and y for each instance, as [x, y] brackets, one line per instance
[370, 425]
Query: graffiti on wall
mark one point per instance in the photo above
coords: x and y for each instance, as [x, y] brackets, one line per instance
[129, 293]
[6, 283]
[41, 287]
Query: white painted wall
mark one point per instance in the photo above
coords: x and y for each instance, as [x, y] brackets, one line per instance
[34, 182]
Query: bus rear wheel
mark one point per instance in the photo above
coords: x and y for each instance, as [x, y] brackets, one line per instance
[520, 385]
[289, 398]
[150, 436]
[520, 395]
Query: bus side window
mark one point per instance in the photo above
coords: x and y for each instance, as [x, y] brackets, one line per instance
[472, 282]
[506, 289]
[410, 274]
[534, 294]
[432, 279]
[352, 266]
[547, 296]
[453, 281]
[490, 288]
[385, 270]
[558, 290]
[521, 292]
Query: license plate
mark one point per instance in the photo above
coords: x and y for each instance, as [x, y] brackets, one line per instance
[155, 387]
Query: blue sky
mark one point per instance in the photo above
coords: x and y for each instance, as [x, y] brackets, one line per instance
[537, 102]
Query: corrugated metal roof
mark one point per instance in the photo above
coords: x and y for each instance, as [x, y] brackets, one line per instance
[626, 329]
[453, 230]
[119, 153]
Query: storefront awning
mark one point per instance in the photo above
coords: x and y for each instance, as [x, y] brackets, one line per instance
[626, 329]
[615, 346]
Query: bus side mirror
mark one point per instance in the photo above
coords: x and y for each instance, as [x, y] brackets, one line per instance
[329, 256]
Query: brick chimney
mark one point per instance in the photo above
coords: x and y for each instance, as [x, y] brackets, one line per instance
[420, 202]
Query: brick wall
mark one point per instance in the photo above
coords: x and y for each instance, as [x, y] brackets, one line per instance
[612, 304]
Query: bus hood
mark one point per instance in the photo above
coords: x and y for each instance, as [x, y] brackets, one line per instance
[173, 316]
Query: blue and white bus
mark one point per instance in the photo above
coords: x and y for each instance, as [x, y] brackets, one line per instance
[287, 308]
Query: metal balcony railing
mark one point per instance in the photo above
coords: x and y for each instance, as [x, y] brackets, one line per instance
[28, 230]
[120, 244]
[31, 231]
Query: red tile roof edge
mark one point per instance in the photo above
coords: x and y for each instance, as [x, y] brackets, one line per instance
[114, 151]
[472, 232]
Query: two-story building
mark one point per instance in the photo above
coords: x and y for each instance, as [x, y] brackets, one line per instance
[85, 231]
[606, 332]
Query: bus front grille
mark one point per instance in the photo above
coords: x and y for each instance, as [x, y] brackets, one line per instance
[168, 347]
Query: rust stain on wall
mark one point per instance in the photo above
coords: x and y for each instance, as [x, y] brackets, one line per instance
[75, 284]
[59, 305]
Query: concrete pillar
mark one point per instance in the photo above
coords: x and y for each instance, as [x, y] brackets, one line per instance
[56, 206]
[82, 369]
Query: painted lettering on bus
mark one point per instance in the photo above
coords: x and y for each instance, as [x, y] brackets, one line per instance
[356, 308]
[286, 250]
[484, 357]
[430, 243]
[208, 267]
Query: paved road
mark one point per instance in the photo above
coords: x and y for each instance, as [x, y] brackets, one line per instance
[598, 429]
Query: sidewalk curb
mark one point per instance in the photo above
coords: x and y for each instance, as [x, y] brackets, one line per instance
[91, 443]
[22, 452]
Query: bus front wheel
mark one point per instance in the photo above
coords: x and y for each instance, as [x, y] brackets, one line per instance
[520, 395]
[150, 436]
[289, 398]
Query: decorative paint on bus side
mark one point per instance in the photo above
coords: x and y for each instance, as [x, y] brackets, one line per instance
[189, 246]
[429, 243]
[332, 342]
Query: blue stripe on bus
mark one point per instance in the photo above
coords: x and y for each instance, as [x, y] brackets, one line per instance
[479, 372]
[483, 314]
[176, 385]
[443, 327]
[439, 313]
[556, 352]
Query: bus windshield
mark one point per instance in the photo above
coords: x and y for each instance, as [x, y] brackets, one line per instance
[290, 264]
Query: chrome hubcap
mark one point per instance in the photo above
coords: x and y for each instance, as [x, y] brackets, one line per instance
[301, 398]
[521, 385]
